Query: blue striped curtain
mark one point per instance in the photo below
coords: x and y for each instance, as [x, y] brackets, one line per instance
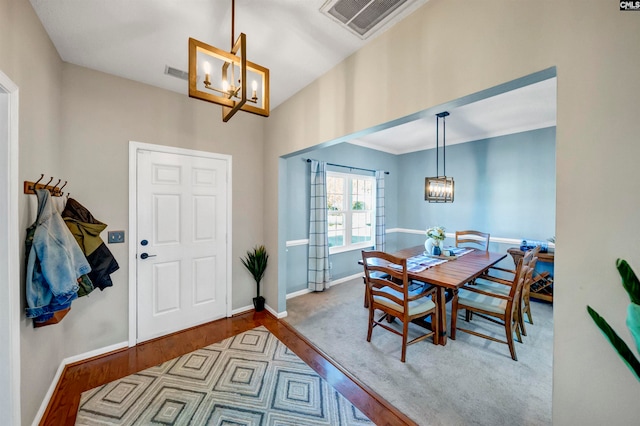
[318, 272]
[380, 226]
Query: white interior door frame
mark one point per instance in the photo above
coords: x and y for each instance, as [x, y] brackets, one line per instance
[134, 147]
[9, 250]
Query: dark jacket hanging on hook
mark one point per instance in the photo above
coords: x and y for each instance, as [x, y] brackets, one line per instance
[86, 229]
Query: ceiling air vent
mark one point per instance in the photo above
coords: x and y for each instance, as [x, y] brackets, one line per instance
[174, 72]
[366, 17]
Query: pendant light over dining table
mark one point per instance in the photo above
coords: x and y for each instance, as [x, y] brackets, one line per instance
[225, 76]
[439, 189]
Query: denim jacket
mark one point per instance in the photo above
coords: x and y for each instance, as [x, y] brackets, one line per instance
[54, 263]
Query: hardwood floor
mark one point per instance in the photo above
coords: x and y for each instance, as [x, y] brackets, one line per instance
[88, 374]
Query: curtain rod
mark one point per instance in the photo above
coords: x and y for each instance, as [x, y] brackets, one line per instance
[347, 167]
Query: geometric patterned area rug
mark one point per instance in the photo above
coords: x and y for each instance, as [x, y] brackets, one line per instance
[248, 379]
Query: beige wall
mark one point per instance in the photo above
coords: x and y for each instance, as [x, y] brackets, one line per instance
[76, 124]
[452, 48]
[102, 113]
[29, 59]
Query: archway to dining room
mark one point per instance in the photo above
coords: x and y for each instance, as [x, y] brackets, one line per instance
[490, 170]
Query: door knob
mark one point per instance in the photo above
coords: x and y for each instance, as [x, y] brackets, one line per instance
[145, 255]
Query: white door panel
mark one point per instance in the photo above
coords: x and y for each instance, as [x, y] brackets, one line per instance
[182, 218]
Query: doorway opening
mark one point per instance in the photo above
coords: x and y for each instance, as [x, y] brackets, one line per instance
[406, 225]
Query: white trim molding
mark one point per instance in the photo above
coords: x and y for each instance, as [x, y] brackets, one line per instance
[249, 308]
[499, 240]
[10, 249]
[293, 243]
[298, 293]
[331, 284]
[345, 279]
[242, 310]
[278, 315]
[405, 231]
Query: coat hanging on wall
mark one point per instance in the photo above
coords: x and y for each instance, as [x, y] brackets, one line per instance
[54, 263]
[86, 229]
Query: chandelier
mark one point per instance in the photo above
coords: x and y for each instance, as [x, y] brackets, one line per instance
[221, 77]
[439, 189]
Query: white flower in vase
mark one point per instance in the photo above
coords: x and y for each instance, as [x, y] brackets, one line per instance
[435, 237]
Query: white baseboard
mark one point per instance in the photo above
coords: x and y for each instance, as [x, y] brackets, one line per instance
[278, 315]
[345, 279]
[61, 367]
[242, 310]
[331, 284]
[267, 307]
[298, 293]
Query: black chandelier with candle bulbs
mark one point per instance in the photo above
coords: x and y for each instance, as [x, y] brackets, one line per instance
[440, 189]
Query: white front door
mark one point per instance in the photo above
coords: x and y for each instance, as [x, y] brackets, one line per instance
[181, 241]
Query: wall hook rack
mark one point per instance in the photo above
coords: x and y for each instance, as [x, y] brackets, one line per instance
[30, 187]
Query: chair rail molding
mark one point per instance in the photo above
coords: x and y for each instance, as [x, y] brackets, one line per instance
[293, 243]
[499, 240]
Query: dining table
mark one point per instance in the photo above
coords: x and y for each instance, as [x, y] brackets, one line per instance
[450, 275]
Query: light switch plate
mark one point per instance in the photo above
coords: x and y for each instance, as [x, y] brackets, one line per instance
[116, 237]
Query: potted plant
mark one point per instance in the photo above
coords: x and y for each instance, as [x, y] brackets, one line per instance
[256, 262]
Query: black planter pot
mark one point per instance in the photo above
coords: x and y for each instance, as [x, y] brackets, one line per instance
[258, 303]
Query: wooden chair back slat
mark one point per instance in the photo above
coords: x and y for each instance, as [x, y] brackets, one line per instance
[475, 239]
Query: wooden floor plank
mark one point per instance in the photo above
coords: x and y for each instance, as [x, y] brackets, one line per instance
[88, 374]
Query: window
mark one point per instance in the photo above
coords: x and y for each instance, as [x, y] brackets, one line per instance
[351, 211]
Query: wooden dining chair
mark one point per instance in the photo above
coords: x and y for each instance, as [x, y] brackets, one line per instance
[475, 239]
[489, 282]
[390, 291]
[471, 239]
[498, 308]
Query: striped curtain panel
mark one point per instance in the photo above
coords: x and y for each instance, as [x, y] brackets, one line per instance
[318, 272]
[380, 226]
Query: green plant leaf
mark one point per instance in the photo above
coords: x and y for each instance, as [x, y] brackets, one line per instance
[633, 323]
[256, 263]
[629, 280]
[619, 344]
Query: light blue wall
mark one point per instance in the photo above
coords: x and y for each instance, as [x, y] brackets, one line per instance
[343, 264]
[504, 186]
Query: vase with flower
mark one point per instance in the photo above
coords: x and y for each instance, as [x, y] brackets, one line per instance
[435, 237]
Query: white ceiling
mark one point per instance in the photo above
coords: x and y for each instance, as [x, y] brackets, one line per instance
[137, 39]
[528, 108]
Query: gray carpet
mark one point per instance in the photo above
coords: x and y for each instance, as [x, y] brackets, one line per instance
[248, 379]
[470, 381]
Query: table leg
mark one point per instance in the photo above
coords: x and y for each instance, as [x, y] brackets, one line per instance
[442, 315]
